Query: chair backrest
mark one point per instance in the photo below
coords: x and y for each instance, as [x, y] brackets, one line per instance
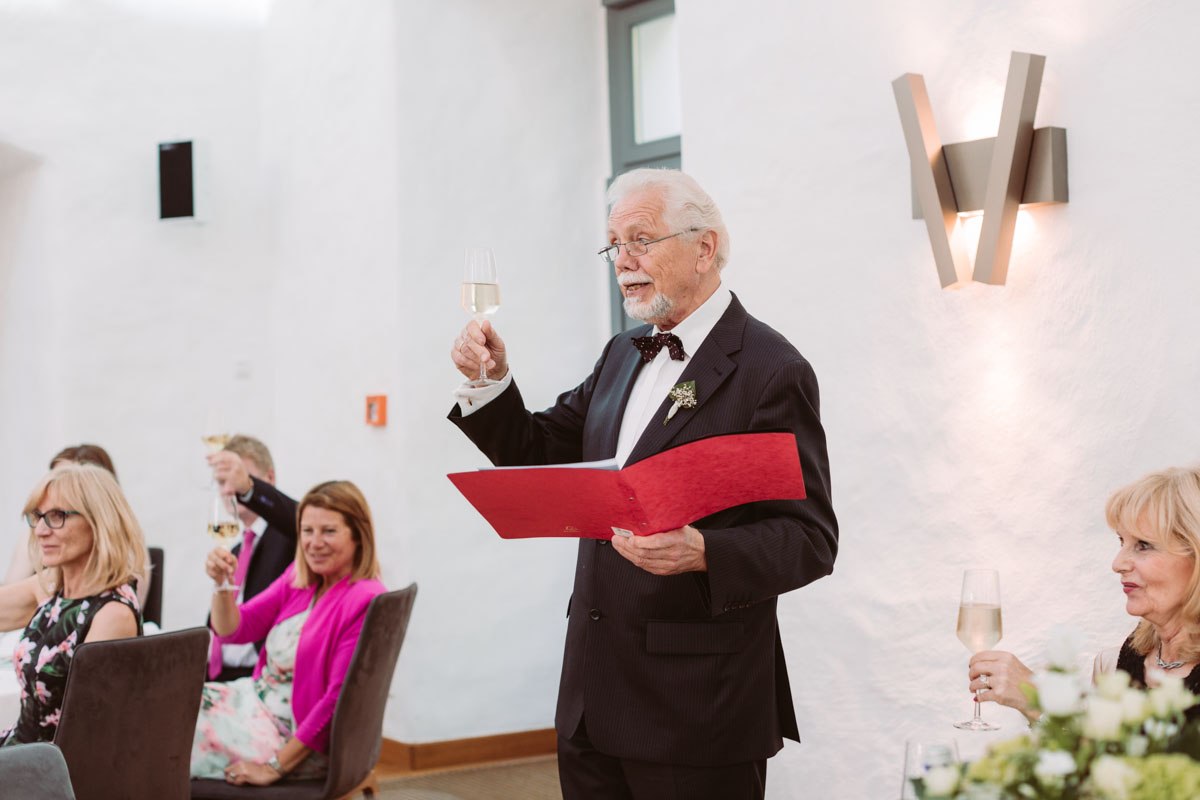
[356, 733]
[153, 610]
[34, 772]
[129, 715]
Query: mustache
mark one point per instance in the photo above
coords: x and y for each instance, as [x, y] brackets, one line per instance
[626, 278]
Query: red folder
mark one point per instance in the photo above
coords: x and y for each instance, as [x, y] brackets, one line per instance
[663, 492]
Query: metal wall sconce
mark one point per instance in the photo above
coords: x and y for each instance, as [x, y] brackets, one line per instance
[1019, 167]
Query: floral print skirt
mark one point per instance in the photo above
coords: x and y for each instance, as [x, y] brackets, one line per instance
[250, 719]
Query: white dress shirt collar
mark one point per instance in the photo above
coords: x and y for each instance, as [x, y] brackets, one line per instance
[694, 329]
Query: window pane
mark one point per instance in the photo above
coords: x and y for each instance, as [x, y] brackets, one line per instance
[656, 113]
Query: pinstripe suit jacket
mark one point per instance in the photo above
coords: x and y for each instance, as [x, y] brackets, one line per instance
[686, 669]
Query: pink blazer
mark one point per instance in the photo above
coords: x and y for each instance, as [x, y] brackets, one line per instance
[326, 646]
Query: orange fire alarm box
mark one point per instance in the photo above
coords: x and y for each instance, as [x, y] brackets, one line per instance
[377, 409]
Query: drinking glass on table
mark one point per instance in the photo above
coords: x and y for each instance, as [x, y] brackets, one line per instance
[979, 626]
[224, 527]
[481, 295]
[929, 766]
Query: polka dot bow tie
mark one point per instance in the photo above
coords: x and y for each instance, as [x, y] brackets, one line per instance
[649, 346]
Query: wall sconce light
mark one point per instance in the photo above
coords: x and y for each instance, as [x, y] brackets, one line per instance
[1019, 167]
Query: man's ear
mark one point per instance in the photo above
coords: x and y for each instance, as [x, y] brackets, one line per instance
[706, 259]
[271, 477]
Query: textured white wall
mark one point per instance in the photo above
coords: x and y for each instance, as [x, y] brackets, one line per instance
[115, 327]
[355, 152]
[972, 428]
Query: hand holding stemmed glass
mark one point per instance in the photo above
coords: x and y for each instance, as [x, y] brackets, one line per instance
[224, 527]
[480, 299]
[979, 626]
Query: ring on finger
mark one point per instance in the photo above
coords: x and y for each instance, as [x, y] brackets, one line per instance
[986, 685]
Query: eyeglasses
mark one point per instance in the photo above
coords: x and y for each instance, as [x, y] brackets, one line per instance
[55, 518]
[637, 247]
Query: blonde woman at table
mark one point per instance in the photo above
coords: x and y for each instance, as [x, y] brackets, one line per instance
[21, 567]
[86, 546]
[1157, 521]
[258, 729]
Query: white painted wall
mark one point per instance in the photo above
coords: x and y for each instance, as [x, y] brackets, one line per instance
[980, 427]
[357, 150]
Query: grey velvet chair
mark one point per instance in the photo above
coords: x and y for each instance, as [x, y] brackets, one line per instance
[153, 610]
[129, 715]
[34, 772]
[356, 732]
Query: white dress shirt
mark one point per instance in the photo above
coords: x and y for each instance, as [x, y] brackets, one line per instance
[652, 385]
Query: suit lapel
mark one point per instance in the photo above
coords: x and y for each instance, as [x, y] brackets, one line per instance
[710, 367]
[609, 411]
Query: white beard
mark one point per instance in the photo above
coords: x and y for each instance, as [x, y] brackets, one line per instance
[653, 311]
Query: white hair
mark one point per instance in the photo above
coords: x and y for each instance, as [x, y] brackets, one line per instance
[685, 205]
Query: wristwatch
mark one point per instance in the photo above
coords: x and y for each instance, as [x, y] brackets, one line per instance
[273, 763]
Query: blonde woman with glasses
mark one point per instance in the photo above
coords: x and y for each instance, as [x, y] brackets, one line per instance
[86, 548]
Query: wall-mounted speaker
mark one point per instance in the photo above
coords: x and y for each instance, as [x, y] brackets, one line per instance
[180, 180]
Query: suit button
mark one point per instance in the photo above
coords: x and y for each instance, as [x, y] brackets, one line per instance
[595, 613]
[601, 542]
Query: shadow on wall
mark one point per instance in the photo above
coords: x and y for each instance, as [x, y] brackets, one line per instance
[18, 171]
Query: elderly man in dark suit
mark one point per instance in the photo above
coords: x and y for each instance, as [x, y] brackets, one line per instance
[673, 682]
[268, 545]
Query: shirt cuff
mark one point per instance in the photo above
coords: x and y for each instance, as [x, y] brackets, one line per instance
[472, 398]
[245, 498]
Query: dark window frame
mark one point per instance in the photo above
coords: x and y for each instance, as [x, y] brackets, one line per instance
[627, 153]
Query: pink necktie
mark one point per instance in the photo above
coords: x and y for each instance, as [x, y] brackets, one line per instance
[244, 554]
[214, 654]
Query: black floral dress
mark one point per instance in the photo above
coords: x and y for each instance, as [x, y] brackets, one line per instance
[44, 655]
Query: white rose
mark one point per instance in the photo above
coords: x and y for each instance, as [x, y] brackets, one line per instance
[1063, 648]
[1103, 719]
[1112, 684]
[1170, 696]
[1113, 778]
[1054, 764]
[1133, 706]
[1137, 745]
[941, 781]
[1058, 693]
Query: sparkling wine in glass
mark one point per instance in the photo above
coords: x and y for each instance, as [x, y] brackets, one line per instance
[979, 626]
[481, 294]
[224, 527]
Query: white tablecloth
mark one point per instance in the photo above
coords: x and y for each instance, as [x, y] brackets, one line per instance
[10, 693]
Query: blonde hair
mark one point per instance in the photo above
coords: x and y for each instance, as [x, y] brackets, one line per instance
[344, 498]
[1164, 508]
[250, 448]
[118, 553]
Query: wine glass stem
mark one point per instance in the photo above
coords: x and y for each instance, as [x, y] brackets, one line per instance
[977, 704]
[483, 361]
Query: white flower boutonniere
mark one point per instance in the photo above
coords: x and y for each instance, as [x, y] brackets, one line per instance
[683, 395]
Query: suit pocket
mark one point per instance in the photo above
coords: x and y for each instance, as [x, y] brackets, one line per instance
[693, 638]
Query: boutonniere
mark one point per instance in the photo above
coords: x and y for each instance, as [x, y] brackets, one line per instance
[683, 395]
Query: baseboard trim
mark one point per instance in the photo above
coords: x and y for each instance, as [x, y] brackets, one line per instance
[406, 757]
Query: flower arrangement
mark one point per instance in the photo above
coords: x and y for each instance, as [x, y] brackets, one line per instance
[1108, 742]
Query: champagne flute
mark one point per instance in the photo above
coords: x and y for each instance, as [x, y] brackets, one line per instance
[481, 295]
[223, 527]
[979, 626]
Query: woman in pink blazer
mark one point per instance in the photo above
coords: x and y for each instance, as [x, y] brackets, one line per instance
[258, 729]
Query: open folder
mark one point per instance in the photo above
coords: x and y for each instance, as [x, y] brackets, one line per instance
[663, 492]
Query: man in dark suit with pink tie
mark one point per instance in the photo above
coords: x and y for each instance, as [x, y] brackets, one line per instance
[673, 682]
[245, 469]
